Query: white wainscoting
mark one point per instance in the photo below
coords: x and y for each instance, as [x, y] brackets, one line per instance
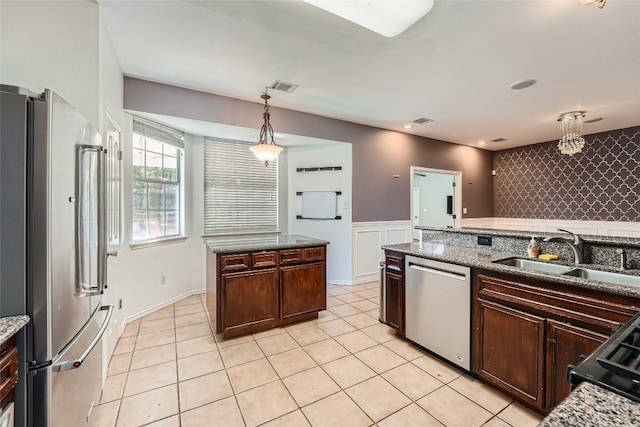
[367, 238]
[595, 228]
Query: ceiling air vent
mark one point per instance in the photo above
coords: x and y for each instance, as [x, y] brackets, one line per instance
[592, 119]
[498, 140]
[283, 86]
[422, 120]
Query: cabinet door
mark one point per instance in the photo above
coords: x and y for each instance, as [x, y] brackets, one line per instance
[303, 289]
[251, 300]
[565, 345]
[394, 309]
[512, 351]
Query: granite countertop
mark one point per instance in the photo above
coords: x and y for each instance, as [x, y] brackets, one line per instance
[590, 405]
[260, 242]
[10, 325]
[483, 258]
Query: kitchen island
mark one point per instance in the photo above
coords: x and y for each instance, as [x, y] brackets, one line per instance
[259, 282]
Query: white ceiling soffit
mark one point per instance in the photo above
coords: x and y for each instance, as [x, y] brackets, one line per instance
[454, 65]
[385, 17]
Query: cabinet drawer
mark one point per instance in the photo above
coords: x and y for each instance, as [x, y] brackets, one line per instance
[290, 256]
[8, 371]
[395, 263]
[234, 262]
[263, 259]
[313, 254]
[572, 306]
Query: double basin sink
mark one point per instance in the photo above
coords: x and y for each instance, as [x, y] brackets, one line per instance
[585, 273]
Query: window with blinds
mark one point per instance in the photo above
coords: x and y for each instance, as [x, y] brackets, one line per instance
[240, 193]
[157, 181]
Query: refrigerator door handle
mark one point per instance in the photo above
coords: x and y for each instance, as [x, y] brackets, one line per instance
[68, 365]
[91, 217]
[102, 221]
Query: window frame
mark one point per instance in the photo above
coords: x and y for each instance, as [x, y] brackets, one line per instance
[168, 140]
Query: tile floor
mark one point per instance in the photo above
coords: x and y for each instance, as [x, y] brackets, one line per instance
[343, 369]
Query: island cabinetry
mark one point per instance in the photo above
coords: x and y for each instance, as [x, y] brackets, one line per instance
[394, 290]
[303, 289]
[251, 300]
[526, 332]
[253, 291]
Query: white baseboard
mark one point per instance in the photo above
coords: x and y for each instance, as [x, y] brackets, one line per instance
[340, 282]
[150, 310]
[367, 279]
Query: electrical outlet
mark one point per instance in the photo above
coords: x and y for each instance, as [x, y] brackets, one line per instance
[163, 279]
[484, 240]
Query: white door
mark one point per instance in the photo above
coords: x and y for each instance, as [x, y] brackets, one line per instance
[416, 213]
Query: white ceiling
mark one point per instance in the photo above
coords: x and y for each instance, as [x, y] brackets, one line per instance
[455, 65]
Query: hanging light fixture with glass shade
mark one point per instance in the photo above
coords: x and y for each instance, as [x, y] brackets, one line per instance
[572, 141]
[263, 150]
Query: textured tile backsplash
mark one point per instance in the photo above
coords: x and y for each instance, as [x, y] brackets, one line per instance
[602, 183]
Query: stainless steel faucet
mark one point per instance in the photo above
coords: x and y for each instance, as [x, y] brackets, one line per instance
[577, 245]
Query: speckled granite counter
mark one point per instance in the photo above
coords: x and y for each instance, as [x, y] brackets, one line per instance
[258, 242]
[590, 405]
[479, 257]
[9, 326]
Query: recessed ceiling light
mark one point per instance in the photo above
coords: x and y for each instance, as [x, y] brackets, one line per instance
[388, 18]
[482, 142]
[522, 84]
[407, 126]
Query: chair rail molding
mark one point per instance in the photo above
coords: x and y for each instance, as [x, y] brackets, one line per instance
[594, 228]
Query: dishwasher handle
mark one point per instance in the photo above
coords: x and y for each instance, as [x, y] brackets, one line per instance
[448, 274]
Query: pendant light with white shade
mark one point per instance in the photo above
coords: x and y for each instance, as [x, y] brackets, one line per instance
[263, 150]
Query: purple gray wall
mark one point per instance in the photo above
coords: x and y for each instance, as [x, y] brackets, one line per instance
[378, 154]
[602, 183]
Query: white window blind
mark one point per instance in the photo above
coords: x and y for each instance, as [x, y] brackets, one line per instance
[158, 132]
[240, 193]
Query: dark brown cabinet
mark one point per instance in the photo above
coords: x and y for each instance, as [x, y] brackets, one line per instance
[255, 291]
[513, 359]
[8, 371]
[526, 332]
[394, 291]
[303, 289]
[565, 345]
[251, 300]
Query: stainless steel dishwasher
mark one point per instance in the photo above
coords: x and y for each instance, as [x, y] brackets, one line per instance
[438, 308]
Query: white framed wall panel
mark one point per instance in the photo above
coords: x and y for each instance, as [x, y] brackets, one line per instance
[368, 238]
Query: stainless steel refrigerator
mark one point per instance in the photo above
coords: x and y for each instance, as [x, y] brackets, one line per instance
[53, 254]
